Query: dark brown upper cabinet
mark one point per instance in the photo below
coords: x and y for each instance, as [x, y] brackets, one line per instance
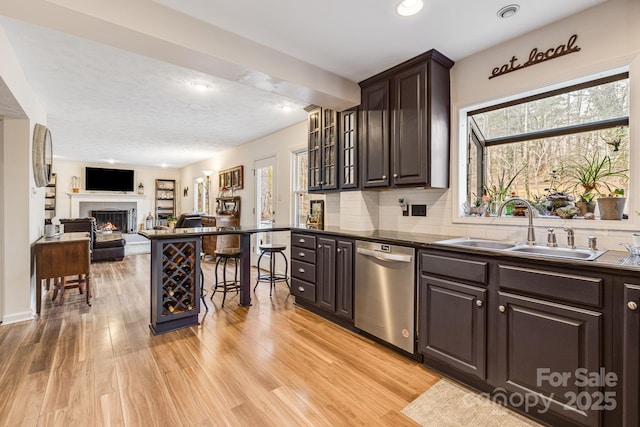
[323, 150]
[404, 132]
[348, 175]
[374, 134]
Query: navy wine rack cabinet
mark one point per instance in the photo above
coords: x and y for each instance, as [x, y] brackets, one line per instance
[175, 283]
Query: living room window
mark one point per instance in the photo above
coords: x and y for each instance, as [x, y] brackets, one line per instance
[300, 202]
[545, 148]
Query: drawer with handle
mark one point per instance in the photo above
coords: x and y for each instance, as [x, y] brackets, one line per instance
[303, 290]
[302, 254]
[303, 240]
[303, 270]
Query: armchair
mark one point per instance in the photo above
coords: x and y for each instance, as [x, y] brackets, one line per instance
[103, 246]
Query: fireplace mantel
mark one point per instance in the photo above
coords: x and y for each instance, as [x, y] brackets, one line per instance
[77, 198]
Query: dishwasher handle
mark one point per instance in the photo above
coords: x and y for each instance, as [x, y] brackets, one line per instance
[384, 256]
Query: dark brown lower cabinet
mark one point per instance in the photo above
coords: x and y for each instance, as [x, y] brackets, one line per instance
[544, 350]
[453, 321]
[326, 274]
[344, 279]
[328, 271]
[630, 355]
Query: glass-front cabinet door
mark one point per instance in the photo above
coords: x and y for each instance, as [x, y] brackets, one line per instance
[349, 149]
[323, 149]
[315, 139]
[329, 150]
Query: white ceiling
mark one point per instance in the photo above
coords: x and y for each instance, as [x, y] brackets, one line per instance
[107, 103]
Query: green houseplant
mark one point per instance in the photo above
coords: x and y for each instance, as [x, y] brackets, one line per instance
[588, 175]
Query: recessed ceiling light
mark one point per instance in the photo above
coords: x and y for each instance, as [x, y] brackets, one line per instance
[508, 11]
[286, 108]
[409, 7]
[200, 85]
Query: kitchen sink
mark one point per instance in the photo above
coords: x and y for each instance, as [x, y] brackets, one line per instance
[478, 243]
[523, 249]
[581, 254]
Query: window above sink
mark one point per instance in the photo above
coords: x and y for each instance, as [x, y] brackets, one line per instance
[527, 147]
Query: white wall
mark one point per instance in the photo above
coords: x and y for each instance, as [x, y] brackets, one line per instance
[280, 144]
[22, 203]
[65, 170]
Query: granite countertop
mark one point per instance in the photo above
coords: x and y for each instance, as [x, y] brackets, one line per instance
[611, 259]
[209, 231]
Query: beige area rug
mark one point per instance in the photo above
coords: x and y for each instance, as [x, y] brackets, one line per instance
[449, 404]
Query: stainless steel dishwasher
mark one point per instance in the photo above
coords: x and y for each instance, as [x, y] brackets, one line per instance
[384, 303]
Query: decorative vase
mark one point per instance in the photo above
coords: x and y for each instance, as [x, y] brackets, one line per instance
[585, 207]
[611, 208]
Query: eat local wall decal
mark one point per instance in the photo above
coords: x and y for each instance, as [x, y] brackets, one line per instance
[537, 56]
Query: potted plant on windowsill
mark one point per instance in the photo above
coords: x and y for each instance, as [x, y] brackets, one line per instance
[171, 222]
[586, 204]
[611, 207]
[590, 174]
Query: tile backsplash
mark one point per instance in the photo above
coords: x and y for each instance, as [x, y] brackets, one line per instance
[380, 210]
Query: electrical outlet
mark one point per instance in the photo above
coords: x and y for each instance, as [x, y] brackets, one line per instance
[418, 210]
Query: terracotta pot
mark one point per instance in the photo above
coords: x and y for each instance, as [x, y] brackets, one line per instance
[585, 207]
[611, 207]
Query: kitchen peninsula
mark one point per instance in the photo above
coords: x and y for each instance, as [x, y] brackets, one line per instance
[175, 272]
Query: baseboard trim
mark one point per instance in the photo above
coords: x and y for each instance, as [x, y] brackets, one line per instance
[17, 317]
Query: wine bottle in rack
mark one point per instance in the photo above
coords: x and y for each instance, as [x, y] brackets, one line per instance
[169, 289]
[178, 295]
[180, 276]
[169, 305]
[187, 303]
[169, 270]
[169, 251]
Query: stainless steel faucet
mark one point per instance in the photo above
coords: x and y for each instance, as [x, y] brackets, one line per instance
[531, 234]
[551, 238]
[571, 242]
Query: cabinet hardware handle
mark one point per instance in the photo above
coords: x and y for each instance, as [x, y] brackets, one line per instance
[319, 246]
[300, 288]
[479, 303]
[632, 305]
[301, 254]
[339, 250]
[395, 175]
[502, 308]
[301, 270]
[301, 241]
[384, 176]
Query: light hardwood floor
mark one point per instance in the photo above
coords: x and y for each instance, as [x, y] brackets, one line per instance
[273, 364]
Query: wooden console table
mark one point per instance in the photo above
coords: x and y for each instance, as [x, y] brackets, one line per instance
[65, 255]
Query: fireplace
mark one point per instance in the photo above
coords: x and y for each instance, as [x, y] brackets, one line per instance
[83, 203]
[115, 220]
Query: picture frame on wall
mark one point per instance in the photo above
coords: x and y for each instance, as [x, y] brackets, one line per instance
[232, 178]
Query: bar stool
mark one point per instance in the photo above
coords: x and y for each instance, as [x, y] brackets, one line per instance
[272, 277]
[226, 285]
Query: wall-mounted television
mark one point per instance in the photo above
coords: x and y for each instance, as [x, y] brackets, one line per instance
[102, 179]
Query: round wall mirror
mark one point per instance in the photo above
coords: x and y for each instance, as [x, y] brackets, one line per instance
[42, 152]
